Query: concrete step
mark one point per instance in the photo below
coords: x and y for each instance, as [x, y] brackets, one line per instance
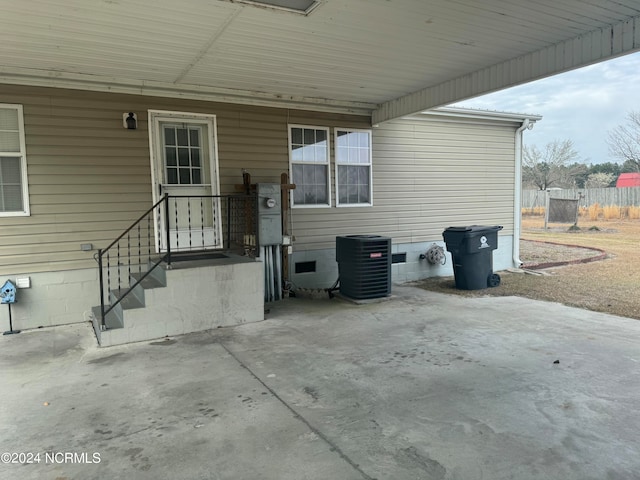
[114, 323]
[115, 317]
[150, 281]
[230, 292]
[134, 299]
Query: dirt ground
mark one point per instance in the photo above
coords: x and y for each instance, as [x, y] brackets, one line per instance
[610, 285]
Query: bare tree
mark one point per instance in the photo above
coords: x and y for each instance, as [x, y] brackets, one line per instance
[624, 141]
[547, 167]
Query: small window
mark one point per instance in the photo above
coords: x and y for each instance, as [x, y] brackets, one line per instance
[14, 195]
[309, 157]
[353, 167]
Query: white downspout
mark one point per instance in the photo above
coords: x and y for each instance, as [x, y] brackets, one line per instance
[517, 196]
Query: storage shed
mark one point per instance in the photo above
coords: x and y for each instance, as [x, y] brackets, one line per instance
[628, 180]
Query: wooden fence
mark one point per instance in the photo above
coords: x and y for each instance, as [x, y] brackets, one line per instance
[622, 197]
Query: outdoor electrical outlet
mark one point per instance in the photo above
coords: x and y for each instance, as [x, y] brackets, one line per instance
[86, 247]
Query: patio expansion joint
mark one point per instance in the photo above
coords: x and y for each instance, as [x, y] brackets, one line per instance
[297, 415]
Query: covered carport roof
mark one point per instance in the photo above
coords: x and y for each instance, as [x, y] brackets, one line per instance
[385, 58]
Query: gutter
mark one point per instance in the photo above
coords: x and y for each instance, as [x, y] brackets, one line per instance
[527, 124]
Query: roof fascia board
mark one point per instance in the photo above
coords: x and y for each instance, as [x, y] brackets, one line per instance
[597, 45]
[76, 81]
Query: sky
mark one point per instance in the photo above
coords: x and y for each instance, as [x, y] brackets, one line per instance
[581, 105]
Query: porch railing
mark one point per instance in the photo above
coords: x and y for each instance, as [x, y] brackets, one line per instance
[175, 225]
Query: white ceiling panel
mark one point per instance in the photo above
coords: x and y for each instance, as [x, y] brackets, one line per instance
[389, 57]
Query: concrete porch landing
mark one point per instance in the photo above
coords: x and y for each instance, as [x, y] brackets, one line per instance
[423, 386]
[193, 296]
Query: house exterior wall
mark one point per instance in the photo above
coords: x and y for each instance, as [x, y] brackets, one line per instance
[90, 178]
[429, 173]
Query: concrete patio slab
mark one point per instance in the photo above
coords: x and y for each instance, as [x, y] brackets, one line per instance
[423, 386]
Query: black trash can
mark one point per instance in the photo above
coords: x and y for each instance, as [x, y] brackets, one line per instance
[472, 254]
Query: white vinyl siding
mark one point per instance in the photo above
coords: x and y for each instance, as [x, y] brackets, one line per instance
[429, 173]
[353, 167]
[309, 154]
[14, 192]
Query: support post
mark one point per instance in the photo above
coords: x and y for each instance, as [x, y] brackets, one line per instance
[11, 331]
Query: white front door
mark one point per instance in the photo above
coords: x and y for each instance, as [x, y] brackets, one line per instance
[185, 167]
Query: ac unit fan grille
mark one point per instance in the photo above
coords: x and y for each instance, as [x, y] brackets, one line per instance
[364, 264]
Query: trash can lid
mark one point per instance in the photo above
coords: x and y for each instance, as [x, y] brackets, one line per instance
[474, 228]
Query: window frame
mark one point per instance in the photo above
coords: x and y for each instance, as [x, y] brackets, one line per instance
[327, 130]
[22, 157]
[338, 164]
[163, 140]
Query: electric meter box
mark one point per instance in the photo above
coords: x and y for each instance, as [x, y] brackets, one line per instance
[269, 214]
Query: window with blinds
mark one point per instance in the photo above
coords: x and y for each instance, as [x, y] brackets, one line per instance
[13, 184]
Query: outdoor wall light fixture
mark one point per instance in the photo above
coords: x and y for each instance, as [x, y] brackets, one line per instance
[130, 121]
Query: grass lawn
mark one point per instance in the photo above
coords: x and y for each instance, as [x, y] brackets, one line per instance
[611, 285]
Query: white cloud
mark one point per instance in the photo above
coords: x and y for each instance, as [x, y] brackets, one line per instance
[581, 105]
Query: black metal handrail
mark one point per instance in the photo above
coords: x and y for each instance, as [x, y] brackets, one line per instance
[183, 223]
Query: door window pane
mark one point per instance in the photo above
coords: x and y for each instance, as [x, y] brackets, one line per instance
[170, 155]
[195, 157]
[169, 136]
[172, 176]
[185, 176]
[183, 157]
[194, 137]
[182, 137]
